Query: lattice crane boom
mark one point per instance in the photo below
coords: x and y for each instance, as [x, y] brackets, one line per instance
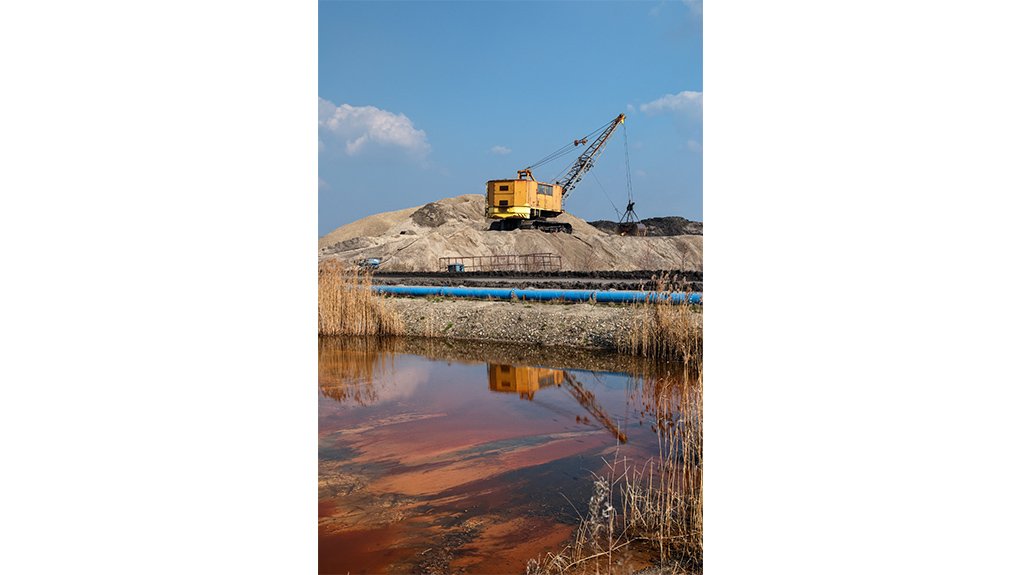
[585, 162]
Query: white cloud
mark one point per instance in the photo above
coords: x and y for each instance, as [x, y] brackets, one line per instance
[359, 127]
[694, 146]
[640, 173]
[500, 150]
[630, 109]
[685, 101]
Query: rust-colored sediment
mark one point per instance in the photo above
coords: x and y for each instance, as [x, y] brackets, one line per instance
[505, 546]
[363, 550]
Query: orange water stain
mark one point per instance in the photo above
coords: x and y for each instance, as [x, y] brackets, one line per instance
[507, 546]
[449, 474]
[359, 551]
[327, 507]
[417, 443]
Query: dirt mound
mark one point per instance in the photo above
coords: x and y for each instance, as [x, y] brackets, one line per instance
[667, 226]
[415, 238]
[355, 243]
[431, 215]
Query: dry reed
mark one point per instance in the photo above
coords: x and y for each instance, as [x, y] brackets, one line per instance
[663, 330]
[348, 306]
[663, 500]
[655, 508]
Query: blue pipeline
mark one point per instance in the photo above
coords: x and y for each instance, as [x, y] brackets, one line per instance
[576, 295]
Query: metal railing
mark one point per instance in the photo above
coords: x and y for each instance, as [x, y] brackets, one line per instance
[515, 263]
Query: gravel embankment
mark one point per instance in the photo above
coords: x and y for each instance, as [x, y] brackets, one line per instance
[580, 326]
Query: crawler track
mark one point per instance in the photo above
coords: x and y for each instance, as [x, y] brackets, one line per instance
[621, 280]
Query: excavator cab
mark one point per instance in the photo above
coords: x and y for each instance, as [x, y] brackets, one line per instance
[523, 203]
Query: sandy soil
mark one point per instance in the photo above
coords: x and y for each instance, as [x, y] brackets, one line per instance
[414, 238]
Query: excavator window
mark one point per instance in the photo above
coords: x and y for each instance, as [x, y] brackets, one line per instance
[503, 188]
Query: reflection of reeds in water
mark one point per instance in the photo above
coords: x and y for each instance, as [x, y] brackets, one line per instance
[347, 305]
[350, 371]
[666, 331]
[657, 506]
[662, 502]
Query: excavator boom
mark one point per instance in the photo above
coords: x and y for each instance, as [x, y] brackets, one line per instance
[588, 158]
[587, 399]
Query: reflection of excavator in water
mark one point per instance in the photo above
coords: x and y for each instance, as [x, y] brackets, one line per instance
[525, 380]
[528, 380]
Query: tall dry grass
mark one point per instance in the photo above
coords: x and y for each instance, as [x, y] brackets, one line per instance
[662, 501]
[347, 305]
[662, 330]
[654, 509]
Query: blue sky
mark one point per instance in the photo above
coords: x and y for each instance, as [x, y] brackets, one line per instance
[425, 100]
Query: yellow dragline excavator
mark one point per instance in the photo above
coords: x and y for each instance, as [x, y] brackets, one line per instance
[526, 203]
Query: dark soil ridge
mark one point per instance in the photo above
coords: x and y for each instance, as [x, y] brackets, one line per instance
[661, 226]
[621, 285]
[647, 275]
